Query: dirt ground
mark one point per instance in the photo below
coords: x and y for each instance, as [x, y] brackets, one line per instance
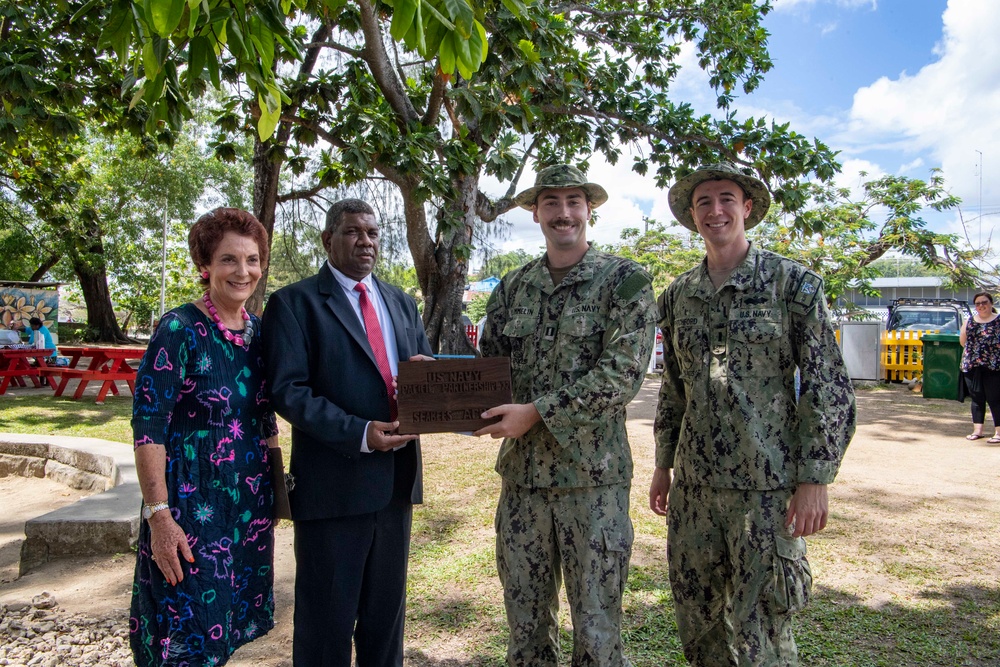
[915, 503]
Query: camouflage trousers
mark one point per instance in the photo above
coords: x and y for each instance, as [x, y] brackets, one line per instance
[736, 574]
[581, 534]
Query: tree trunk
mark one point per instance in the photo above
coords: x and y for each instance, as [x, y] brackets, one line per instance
[92, 270]
[443, 275]
[266, 172]
[102, 325]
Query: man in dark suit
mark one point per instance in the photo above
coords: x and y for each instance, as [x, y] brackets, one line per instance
[331, 349]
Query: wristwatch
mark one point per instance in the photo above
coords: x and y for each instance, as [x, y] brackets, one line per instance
[149, 510]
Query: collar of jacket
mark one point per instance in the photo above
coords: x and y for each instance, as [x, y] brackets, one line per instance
[538, 273]
[741, 279]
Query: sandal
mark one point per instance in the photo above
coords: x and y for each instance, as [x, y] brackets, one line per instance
[995, 440]
[974, 436]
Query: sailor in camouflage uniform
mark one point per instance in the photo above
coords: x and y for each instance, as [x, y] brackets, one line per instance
[578, 327]
[742, 464]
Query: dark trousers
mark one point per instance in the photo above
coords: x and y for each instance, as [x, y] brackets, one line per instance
[984, 389]
[350, 584]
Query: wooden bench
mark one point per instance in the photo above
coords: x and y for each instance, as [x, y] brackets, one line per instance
[50, 373]
[14, 375]
[86, 376]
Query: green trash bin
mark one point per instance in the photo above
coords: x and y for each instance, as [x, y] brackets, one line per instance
[942, 359]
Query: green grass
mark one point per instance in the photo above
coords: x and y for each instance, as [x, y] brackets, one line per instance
[455, 606]
[46, 415]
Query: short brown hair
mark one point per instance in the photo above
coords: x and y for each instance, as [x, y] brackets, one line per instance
[208, 230]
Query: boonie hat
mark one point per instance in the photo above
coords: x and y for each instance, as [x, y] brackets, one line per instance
[679, 196]
[561, 176]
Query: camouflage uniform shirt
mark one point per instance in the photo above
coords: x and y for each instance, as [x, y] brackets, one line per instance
[579, 352]
[727, 416]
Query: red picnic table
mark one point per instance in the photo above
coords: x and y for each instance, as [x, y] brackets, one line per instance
[14, 366]
[107, 365]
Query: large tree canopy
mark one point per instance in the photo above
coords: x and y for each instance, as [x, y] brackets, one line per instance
[559, 82]
[391, 90]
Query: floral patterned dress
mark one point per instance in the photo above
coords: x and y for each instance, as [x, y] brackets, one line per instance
[206, 401]
[982, 346]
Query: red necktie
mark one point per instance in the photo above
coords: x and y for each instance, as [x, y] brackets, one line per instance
[375, 339]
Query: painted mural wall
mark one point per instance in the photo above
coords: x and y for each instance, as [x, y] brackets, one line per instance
[18, 304]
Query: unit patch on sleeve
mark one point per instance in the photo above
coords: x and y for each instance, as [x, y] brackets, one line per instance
[807, 291]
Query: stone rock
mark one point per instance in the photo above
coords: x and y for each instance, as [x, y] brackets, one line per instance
[44, 601]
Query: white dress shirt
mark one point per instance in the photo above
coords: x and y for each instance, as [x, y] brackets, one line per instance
[384, 322]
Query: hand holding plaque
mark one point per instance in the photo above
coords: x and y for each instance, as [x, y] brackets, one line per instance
[450, 395]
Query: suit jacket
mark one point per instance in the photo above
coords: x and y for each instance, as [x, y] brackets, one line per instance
[325, 382]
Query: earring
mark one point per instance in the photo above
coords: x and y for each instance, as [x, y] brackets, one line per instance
[204, 274]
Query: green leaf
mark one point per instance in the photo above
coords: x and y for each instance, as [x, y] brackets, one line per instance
[432, 10]
[402, 18]
[479, 41]
[117, 31]
[515, 7]
[236, 45]
[263, 41]
[197, 55]
[165, 15]
[270, 112]
[83, 10]
[447, 56]
[461, 16]
[212, 62]
[149, 62]
[529, 50]
[466, 64]
[193, 15]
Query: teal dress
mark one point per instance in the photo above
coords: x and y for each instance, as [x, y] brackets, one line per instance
[205, 399]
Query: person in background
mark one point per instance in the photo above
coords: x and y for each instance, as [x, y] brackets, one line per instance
[206, 439]
[743, 460]
[577, 325]
[981, 364]
[41, 338]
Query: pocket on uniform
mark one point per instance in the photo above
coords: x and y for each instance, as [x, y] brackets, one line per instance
[616, 541]
[792, 575]
[520, 327]
[690, 343]
[755, 348]
[617, 553]
[584, 325]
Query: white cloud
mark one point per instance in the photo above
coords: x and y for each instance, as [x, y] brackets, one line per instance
[947, 110]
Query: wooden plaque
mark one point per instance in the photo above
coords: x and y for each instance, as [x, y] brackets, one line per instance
[448, 395]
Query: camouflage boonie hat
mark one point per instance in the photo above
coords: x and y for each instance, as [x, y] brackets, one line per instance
[680, 194]
[561, 176]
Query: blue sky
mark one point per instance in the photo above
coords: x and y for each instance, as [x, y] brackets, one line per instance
[897, 86]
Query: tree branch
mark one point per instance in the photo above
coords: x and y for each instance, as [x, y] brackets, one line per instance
[336, 46]
[381, 68]
[435, 100]
[300, 194]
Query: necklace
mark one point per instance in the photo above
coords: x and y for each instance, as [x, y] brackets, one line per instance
[243, 339]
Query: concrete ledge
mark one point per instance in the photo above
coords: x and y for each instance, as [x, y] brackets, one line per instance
[103, 523]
